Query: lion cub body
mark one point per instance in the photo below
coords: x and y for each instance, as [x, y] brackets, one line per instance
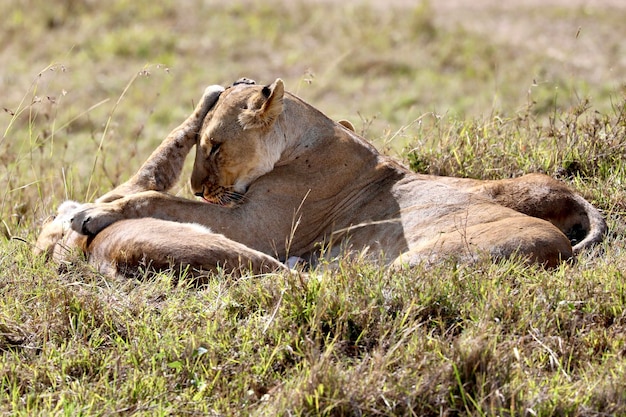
[286, 180]
[136, 246]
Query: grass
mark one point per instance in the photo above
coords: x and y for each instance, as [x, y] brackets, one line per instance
[89, 91]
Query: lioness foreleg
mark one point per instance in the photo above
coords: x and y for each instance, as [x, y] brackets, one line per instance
[162, 169]
[92, 218]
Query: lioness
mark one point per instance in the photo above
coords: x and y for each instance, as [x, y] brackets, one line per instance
[282, 178]
[151, 244]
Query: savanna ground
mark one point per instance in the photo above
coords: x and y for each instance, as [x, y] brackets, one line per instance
[485, 89]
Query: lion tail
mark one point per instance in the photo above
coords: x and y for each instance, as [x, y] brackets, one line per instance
[597, 226]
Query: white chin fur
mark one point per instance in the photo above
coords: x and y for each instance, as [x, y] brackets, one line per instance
[68, 207]
[65, 213]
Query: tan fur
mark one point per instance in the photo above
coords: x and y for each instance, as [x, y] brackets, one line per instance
[287, 180]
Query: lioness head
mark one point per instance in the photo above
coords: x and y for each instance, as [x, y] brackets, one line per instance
[235, 145]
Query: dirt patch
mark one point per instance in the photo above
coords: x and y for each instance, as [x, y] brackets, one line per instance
[567, 31]
[585, 35]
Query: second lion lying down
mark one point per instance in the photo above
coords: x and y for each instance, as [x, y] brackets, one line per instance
[280, 178]
[134, 246]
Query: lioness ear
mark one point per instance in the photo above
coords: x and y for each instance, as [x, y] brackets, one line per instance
[347, 124]
[268, 105]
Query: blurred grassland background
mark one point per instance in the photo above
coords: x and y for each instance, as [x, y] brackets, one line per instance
[486, 88]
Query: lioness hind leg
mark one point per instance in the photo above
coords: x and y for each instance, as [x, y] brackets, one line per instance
[535, 240]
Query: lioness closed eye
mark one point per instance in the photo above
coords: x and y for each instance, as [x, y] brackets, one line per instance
[284, 179]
